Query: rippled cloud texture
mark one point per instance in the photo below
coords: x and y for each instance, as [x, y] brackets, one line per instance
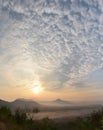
[58, 43]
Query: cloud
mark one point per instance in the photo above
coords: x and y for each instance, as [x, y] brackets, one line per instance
[93, 80]
[60, 40]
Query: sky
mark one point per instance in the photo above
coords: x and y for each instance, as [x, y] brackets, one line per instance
[53, 45]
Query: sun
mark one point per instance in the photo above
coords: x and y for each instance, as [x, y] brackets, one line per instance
[36, 90]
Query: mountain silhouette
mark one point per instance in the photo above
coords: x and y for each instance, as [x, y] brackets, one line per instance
[20, 104]
[24, 103]
[60, 101]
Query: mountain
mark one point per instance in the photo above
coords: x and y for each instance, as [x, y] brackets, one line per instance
[26, 104]
[4, 103]
[29, 105]
[58, 102]
[61, 102]
[23, 99]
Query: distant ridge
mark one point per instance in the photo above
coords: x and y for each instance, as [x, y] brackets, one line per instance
[60, 101]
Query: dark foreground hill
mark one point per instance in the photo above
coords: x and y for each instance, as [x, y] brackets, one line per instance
[19, 121]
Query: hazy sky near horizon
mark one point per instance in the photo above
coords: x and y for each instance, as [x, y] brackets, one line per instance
[54, 44]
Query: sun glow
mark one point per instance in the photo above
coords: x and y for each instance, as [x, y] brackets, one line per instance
[37, 90]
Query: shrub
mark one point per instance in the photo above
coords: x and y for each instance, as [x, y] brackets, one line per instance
[20, 117]
[5, 114]
[35, 110]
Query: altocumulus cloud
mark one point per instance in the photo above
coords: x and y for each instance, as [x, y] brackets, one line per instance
[57, 42]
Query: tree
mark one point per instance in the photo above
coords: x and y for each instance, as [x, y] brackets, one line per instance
[35, 110]
[20, 116]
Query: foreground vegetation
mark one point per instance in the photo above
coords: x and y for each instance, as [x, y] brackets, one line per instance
[19, 121]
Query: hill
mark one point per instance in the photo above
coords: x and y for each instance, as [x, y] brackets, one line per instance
[20, 121]
[4, 103]
[21, 104]
[61, 102]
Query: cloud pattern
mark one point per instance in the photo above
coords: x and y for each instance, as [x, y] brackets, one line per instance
[57, 42]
